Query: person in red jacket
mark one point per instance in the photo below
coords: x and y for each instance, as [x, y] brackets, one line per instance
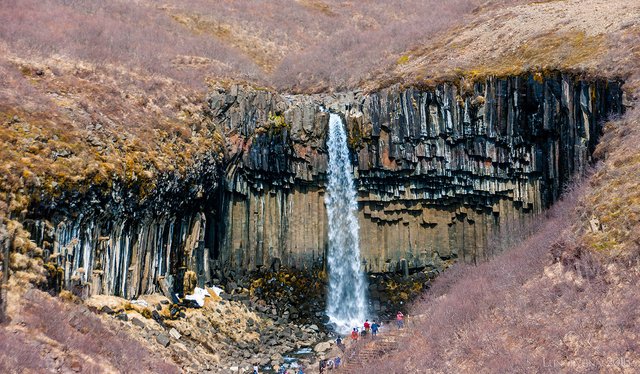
[367, 327]
[400, 319]
[354, 334]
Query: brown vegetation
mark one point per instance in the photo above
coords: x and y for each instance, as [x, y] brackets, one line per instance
[71, 125]
[594, 37]
[289, 44]
[547, 305]
[610, 213]
[47, 335]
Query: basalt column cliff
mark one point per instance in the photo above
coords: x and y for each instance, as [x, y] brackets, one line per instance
[437, 171]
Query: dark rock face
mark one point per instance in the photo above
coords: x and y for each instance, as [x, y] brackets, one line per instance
[122, 246]
[438, 172]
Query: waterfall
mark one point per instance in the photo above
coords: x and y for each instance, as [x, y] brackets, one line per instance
[346, 304]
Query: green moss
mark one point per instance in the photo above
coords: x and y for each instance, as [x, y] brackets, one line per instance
[277, 122]
[146, 313]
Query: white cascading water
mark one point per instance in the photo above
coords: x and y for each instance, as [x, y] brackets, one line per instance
[346, 297]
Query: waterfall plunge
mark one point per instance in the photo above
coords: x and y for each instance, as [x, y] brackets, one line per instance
[346, 304]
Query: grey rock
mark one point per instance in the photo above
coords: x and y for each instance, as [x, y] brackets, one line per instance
[322, 347]
[122, 317]
[174, 333]
[163, 340]
[138, 322]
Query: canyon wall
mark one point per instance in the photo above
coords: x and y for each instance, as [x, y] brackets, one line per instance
[438, 171]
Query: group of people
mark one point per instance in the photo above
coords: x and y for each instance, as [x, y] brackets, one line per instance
[374, 327]
[369, 328]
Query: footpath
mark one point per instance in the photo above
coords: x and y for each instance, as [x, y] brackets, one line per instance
[358, 355]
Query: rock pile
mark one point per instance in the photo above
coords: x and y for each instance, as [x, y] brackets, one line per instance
[220, 335]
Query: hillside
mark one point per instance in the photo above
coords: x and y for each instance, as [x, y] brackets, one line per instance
[93, 93]
[549, 304]
[193, 128]
[80, 103]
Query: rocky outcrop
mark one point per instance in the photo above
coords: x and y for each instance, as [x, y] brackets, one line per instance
[121, 244]
[438, 171]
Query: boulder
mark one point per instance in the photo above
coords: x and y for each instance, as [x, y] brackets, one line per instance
[322, 347]
[138, 322]
[122, 317]
[174, 333]
[163, 340]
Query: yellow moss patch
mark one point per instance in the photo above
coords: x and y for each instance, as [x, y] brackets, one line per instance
[403, 60]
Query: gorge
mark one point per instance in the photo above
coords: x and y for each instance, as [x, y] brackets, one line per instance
[438, 170]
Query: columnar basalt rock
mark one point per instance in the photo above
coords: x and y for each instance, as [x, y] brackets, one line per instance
[121, 245]
[438, 171]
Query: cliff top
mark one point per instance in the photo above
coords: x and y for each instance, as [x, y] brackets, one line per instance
[593, 37]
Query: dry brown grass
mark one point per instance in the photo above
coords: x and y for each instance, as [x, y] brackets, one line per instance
[289, 44]
[596, 37]
[47, 335]
[547, 305]
[73, 125]
[610, 213]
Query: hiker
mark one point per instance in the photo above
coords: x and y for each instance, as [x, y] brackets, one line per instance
[322, 364]
[354, 334]
[255, 369]
[340, 344]
[374, 329]
[336, 362]
[367, 326]
[300, 371]
[400, 319]
[330, 364]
